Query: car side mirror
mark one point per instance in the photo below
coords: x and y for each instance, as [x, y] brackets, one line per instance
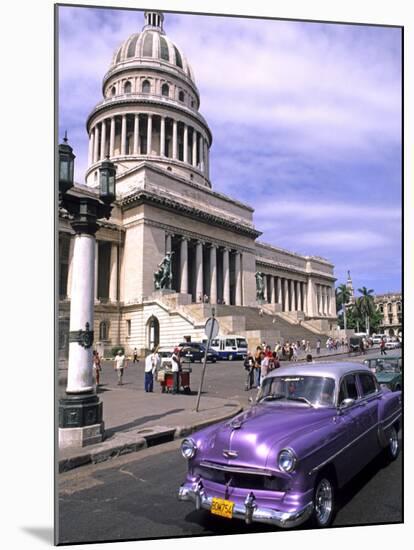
[345, 404]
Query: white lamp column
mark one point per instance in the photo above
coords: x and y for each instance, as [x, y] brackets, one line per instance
[70, 268]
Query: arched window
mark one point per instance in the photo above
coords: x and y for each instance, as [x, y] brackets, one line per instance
[181, 96]
[399, 307]
[103, 330]
[147, 48]
[389, 306]
[113, 91]
[146, 87]
[127, 87]
[165, 90]
[165, 54]
[178, 60]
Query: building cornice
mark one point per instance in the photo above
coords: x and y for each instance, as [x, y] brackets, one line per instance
[293, 268]
[143, 196]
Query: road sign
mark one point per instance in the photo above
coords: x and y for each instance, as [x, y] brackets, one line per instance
[211, 328]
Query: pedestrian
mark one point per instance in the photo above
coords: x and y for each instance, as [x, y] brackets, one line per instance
[268, 351]
[258, 367]
[275, 362]
[249, 367]
[290, 352]
[151, 364]
[135, 356]
[120, 364]
[264, 366]
[382, 347]
[309, 358]
[176, 367]
[295, 352]
[308, 346]
[318, 346]
[97, 367]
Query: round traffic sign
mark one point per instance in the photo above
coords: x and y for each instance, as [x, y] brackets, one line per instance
[211, 327]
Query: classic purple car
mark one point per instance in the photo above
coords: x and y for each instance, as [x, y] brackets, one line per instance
[281, 462]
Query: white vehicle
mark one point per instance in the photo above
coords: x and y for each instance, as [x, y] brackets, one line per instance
[377, 338]
[230, 347]
[392, 344]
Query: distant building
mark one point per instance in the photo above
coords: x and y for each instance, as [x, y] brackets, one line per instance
[390, 305]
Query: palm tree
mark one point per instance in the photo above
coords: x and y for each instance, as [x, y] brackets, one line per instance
[343, 295]
[367, 305]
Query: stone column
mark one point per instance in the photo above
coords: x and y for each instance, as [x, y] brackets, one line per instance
[136, 134]
[305, 297]
[80, 375]
[199, 271]
[286, 289]
[238, 279]
[162, 137]
[90, 151]
[123, 135]
[168, 242]
[319, 299]
[112, 138]
[201, 151]
[194, 159]
[312, 298]
[149, 135]
[174, 137]
[184, 265]
[206, 161]
[103, 140]
[298, 296]
[213, 274]
[185, 144]
[226, 276]
[113, 277]
[96, 144]
[96, 270]
[279, 290]
[272, 290]
[70, 268]
[333, 302]
[293, 306]
[265, 287]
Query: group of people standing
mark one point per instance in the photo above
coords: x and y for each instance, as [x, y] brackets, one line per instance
[259, 365]
[153, 366]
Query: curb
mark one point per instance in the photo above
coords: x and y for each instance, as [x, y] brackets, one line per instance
[125, 443]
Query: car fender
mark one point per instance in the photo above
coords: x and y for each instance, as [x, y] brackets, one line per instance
[389, 412]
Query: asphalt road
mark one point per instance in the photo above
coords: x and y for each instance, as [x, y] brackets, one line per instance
[134, 497]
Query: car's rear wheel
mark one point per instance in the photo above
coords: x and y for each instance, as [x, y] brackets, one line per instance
[324, 502]
[393, 448]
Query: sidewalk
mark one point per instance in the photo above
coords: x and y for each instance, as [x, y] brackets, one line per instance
[135, 420]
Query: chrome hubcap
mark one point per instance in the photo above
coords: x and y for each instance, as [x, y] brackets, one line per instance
[394, 442]
[323, 501]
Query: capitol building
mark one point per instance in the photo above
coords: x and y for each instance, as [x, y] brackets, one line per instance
[149, 124]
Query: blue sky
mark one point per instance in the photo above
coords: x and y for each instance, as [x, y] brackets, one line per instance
[306, 123]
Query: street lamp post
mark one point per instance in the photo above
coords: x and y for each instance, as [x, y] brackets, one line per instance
[80, 410]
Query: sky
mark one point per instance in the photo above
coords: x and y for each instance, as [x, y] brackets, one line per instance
[305, 117]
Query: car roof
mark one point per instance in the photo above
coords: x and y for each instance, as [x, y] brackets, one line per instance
[334, 370]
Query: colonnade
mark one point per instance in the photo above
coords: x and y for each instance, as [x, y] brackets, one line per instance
[295, 295]
[148, 134]
[214, 271]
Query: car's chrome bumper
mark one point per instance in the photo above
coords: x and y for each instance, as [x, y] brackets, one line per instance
[249, 511]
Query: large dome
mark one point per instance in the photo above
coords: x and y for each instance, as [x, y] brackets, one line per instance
[151, 45]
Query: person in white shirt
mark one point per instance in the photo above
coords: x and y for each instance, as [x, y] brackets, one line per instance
[152, 362]
[176, 366]
[120, 364]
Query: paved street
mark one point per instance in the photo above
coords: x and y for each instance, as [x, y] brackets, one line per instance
[134, 496]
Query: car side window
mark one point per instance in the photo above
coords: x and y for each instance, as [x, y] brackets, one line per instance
[348, 388]
[367, 384]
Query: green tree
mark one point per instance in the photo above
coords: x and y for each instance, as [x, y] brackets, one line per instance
[367, 306]
[342, 298]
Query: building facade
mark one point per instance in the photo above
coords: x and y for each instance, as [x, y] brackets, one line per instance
[149, 125]
[390, 305]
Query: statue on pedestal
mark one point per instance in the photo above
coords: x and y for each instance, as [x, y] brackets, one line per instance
[163, 276]
[260, 286]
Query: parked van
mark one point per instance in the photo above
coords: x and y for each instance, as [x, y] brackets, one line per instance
[229, 347]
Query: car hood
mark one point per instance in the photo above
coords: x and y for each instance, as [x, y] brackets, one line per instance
[255, 437]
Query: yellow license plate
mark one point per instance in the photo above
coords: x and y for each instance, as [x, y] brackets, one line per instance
[221, 507]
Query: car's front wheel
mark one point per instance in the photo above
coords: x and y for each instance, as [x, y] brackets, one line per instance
[324, 503]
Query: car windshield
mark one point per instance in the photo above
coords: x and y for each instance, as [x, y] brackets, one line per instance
[387, 366]
[316, 391]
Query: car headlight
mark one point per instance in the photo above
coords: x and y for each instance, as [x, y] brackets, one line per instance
[287, 460]
[188, 448]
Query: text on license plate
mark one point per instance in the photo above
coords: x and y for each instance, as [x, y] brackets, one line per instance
[222, 507]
